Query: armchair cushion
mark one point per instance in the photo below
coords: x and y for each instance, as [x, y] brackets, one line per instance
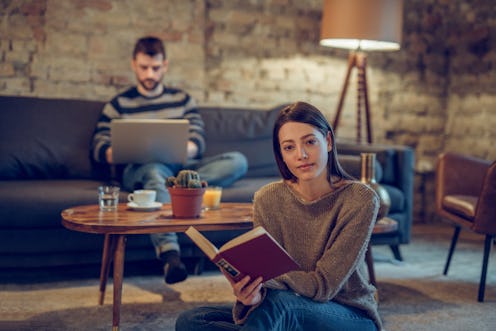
[463, 205]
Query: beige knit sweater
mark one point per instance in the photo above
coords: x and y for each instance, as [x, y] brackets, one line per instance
[327, 237]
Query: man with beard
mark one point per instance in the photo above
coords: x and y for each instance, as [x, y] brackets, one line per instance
[150, 98]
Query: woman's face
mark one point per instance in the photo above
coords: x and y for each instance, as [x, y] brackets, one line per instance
[304, 150]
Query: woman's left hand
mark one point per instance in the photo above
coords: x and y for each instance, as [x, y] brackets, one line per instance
[248, 293]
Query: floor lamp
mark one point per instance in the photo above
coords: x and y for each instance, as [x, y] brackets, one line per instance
[359, 26]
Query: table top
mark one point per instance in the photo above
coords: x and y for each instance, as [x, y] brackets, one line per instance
[385, 225]
[89, 218]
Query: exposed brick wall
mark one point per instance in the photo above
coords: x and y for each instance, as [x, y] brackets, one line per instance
[82, 48]
[437, 93]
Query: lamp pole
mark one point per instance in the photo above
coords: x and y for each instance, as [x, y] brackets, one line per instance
[358, 60]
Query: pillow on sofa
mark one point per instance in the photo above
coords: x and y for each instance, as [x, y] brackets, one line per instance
[46, 138]
[248, 131]
[352, 164]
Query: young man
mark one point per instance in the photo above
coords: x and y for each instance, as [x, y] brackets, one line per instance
[150, 98]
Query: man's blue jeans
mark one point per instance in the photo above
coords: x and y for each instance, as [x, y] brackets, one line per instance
[219, 170]
[280, 311]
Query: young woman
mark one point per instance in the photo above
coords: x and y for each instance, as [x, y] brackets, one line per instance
[324, 219]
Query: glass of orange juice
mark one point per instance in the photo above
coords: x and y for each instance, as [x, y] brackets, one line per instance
[211, 198]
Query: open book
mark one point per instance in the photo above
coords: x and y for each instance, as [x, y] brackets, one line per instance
[254, 253]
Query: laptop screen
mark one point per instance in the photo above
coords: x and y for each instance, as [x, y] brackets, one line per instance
[149, 140]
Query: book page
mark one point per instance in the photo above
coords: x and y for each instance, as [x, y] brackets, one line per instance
[205, 245]
[256, 232]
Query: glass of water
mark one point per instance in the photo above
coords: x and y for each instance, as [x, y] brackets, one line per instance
[108, 197]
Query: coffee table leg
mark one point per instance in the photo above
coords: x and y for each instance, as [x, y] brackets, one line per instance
[107, 256]
[118, 276]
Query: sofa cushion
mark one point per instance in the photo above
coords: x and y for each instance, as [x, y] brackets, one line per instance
[243, 190]
[248, 131]
[54, 141]
[38, 203]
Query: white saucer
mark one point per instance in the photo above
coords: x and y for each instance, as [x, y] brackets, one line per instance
[153, 206]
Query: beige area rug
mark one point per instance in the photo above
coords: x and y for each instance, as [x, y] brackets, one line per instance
[414, 295]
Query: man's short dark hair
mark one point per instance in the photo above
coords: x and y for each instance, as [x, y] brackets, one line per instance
[150, 46]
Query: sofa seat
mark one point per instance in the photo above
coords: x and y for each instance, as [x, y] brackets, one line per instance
[34, 203]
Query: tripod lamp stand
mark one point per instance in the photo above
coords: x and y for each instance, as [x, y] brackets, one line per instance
[361, 25]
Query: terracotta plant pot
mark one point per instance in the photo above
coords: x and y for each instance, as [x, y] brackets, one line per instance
[186, 202]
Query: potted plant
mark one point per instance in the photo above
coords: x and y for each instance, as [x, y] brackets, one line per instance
[186, 191]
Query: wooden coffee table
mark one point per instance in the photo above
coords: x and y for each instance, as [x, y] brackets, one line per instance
[116, 225]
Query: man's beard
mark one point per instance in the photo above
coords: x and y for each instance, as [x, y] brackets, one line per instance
[149, 84]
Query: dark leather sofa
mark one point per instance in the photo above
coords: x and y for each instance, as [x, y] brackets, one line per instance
[45, 167]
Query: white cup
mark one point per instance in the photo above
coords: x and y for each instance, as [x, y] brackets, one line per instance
[142, 198]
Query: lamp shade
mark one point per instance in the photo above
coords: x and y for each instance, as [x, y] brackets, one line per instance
[362, 24]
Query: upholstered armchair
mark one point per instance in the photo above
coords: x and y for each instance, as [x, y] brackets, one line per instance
[466, 197]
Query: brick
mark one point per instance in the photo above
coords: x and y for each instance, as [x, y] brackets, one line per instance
[6, 70]
[33, 8]
[106, 51]
[69, 70]
[15, 27]
[17, 57]
[17, 86]
[100, 5]
[24, 46]
[59, 43]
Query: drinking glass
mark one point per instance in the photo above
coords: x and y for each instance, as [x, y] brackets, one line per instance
[108, 197]
[212, 196]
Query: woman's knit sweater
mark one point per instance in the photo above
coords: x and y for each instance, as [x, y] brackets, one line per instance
[328, 237]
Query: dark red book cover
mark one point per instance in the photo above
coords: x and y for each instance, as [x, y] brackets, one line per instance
[254, 253]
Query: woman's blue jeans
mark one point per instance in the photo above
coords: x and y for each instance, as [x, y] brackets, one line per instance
[219, 170]
[280, 311]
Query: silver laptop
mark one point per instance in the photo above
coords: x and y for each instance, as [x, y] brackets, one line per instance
[149, 140]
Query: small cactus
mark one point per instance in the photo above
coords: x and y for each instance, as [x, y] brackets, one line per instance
[185, 176]
[194, 183]
[186, 179]
[170, 181]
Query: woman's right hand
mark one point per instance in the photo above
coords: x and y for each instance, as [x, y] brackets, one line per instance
[246, 292]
